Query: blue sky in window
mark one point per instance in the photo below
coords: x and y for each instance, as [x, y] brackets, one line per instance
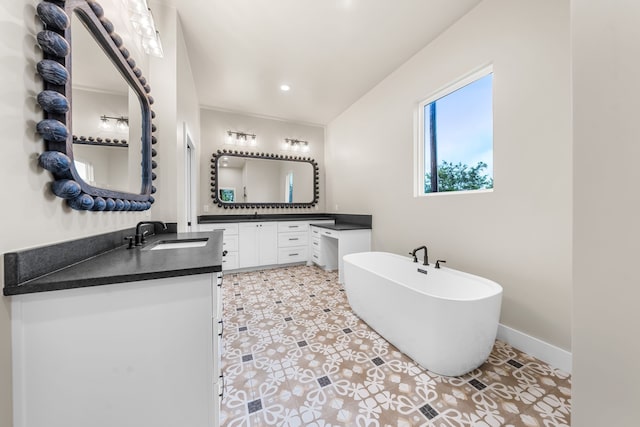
[464, 123]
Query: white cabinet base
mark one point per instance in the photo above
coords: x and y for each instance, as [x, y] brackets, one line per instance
[127, 355]
[330, 246]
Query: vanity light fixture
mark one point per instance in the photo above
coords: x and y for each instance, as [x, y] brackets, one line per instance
[122, 122]
[291, 144]
[241, 138]
[143, 23]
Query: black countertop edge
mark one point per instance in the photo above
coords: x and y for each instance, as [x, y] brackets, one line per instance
[352, 219]
[204, 219]
[343, 226]
[126, 265]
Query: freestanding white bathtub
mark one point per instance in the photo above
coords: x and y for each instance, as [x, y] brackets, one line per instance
[445, 320]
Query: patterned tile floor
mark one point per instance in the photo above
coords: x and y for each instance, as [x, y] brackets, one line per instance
[296, 355]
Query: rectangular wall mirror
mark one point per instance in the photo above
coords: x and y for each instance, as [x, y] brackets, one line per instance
[247, 180]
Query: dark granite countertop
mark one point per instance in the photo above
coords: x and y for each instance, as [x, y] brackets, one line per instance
[343, 226]
[342, 221]
[208, 219]
[127, 265]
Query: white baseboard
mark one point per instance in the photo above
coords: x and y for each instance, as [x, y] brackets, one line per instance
[554, 356]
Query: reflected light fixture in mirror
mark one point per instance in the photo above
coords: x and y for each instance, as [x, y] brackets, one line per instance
[291, 144]
[122, 123]
[241, 138]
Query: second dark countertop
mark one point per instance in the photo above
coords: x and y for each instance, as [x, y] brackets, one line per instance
[343, 226]
[342, 221]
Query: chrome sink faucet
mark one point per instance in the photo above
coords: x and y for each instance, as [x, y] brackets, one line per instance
[140, 236]
[415, 257]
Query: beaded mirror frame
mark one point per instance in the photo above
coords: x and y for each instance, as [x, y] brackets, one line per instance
[55, 100]
[215, 187]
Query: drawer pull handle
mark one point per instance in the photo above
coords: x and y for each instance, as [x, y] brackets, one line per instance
[315, 243]
[315, 256]
[294, 226]
[294, 254]
[328, 232]
[295, 238]
[223, 387]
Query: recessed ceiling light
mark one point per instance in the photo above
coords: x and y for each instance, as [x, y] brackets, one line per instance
[285, 88]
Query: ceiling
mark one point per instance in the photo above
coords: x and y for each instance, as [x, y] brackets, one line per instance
[331, 52]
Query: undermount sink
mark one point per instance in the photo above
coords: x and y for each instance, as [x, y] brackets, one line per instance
[179, 244]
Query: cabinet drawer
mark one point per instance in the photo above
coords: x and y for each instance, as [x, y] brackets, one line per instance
[315, 243]
[286, 226]
[329, 233]
[315, 232]
[218, 328]
[288, 255]
[230, 261]
[216, 299]
[316, 258]
[230, 243]
[231, 228]
[286, 240]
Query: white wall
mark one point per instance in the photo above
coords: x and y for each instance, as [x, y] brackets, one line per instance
[606, 131]
[176, 107]
[31, 214]
[270, 135]
[188, 122]
[262, 181]
[518, 235]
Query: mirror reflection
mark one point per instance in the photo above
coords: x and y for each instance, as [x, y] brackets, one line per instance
[251, 180]
[105, 109]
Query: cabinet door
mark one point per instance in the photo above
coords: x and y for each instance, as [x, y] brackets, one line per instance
[268, 243]
[126, 354]
[248, 248]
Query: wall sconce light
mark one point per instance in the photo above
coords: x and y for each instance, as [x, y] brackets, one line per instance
[291, 144]
[122, 123]
[143, 23]
[241, 138]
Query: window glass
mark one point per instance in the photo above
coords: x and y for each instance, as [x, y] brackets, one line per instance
[458, 138]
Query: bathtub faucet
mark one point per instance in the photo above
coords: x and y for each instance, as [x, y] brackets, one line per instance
[426, 256]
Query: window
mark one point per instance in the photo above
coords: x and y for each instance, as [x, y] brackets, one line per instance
[85, 171]
[288, 188]
[455, 149]
[228, 195]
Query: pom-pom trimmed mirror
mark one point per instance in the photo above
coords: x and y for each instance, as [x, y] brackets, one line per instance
[79, 163]
[259, 180]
